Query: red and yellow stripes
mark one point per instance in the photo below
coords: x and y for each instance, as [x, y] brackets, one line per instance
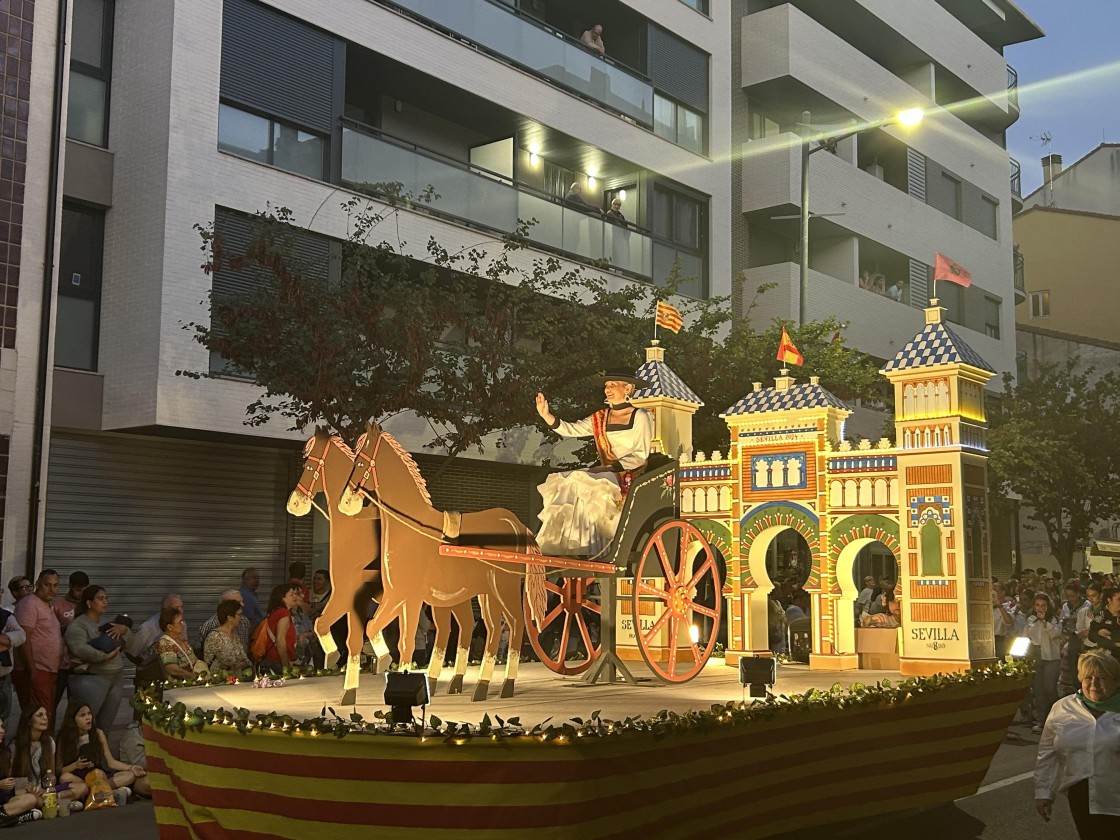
[750, 780]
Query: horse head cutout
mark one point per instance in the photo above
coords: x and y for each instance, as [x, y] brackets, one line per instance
[311, 474]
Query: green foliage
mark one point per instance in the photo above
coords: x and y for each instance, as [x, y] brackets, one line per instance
[1053, 444]
[464, 339]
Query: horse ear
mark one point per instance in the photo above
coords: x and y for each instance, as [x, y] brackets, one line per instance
[371, 428]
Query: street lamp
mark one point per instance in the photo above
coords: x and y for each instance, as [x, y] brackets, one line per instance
[908, 118]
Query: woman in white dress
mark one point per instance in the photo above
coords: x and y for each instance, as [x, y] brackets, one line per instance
[582, 507]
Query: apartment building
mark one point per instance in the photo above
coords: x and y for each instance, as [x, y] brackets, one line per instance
[888, 198]
[181, 112]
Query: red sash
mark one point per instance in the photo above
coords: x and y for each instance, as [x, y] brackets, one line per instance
[606, 454]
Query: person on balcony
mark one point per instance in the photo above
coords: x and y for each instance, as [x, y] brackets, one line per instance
[574, 198]
[614, 214]
[581, 507]
[593, 39]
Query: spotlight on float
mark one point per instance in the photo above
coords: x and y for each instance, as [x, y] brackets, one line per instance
[694, 634]
[1020, 647]
[403, 691]
[759, 673]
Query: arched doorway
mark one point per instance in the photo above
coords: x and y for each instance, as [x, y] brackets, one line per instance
[865, 542]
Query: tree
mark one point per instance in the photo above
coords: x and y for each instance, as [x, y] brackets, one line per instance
[1053, 444]
[462, 339]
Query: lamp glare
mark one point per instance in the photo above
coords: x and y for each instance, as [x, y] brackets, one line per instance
[911, 117]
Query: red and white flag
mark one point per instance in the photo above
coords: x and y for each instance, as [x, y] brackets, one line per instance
[787, 353]
[669, 317]
[954, 272]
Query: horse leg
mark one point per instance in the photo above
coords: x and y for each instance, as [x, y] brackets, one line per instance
[410, 617]
[441, 618]
[381, 619]
[332, 612]
[516, 623]
[493, 639]
[464, 617]
[354, 639]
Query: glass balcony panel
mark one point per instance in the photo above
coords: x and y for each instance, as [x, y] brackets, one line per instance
[86, 114]
[487, 200]
[542, 51]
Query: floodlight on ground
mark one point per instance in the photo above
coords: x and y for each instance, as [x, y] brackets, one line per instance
[758, 673]
[403, 691]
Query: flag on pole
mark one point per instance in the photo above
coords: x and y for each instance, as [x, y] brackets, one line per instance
[669, 317]
[954, 272]
[787, 353]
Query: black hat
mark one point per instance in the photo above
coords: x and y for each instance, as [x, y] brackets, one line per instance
[621, 376]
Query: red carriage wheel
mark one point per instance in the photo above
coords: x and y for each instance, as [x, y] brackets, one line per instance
[676, 588]
[568, 639]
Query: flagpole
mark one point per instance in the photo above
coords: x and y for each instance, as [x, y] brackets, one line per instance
[655, 320]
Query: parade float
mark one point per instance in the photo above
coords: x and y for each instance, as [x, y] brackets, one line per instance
[235, 761]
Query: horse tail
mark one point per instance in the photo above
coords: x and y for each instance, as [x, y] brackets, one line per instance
[535, 592]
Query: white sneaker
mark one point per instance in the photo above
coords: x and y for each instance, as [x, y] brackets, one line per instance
[122, 795]
[31, 816]
[76, 806]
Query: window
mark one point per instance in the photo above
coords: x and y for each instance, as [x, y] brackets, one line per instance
[949, 196]
[271, 141]
[676, 218]
[678, 124]
[989, 217]
[699, 5]
[91, 59]
[991, 317]
[760, 126]
[79, 287]
[1040, 304]
[679, 224]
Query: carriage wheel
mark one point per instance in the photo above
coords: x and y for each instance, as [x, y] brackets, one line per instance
[677, 565]
[567, 641]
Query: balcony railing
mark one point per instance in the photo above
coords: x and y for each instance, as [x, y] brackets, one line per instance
[1020, 272]
[1012, 88]
[479, 197]
[1016, 179]
[540, 49]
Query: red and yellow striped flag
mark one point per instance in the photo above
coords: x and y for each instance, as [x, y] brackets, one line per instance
[669, 317]
[787, 353]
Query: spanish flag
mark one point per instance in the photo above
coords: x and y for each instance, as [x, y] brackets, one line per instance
[787, 353]
[669, 317]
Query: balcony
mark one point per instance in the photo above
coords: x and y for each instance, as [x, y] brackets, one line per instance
[1016, 186]
[542, 50]
[1013, 90]
[1020, 276]
[480, 198]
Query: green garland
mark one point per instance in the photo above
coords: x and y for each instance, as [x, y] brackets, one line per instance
[177, 719]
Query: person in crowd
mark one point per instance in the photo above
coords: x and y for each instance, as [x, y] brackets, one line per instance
[593, 39]
[776, 626]
[1045, 632]
[82, 746]
[614, 213]
[15, 807]
[20, 586]
[297, 572]
[574, 198]
[143, 644]
[33, 755]
[581, 507]
[36, 666]
[97, 673]
[320, 592]
[301, 620]
[64, 607]
[222, 649]
[1094, 592]
[1077, 751]
[241, 631]
[894, 290]
[1075, 616]
[1002, 624]
[863, 600]
[175, 655]
[880, 604]
[281, 652]
[250, 582]
[11, 636]
[799, 608]
[1105, 632]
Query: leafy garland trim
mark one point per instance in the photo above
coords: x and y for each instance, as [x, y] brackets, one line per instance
[178, 719]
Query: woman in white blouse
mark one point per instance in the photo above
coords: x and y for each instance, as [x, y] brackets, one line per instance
[582, 507]
[1078, 749]
[1045, 632]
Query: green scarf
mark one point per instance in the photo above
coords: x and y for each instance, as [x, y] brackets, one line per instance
[1109, 704]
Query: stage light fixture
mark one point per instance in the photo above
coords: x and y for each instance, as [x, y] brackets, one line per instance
[403, 691]
[1020, 647]
[759, 673]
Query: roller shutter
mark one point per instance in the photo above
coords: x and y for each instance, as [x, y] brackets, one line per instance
[144, 516]
[678, 69]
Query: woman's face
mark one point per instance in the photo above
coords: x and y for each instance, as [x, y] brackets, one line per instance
[100, 602]
[1098, 688]
[616, 392]
[40, 721]
[1040, 607]
[1094, 597]
[84, 719]
[175, 628]
[1114, 604]
[235, 619]
[292, 598]
[319, 582]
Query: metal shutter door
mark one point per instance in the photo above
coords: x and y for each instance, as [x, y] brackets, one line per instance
[145, 516]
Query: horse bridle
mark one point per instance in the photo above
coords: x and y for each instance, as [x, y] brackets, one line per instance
[374, 496]
[320, 468]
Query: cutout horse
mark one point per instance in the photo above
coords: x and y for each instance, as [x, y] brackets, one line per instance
[413, 570]
[354, 546]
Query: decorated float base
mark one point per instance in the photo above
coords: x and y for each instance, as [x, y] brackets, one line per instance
[653, 761]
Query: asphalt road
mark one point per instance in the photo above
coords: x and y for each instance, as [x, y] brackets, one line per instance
[1003, 809]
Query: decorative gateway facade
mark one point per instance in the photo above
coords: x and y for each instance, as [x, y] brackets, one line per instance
[923, 497]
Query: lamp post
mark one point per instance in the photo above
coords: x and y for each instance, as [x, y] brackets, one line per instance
[909, 118]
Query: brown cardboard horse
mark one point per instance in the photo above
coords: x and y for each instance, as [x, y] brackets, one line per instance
[327, 462]
[413, 570]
